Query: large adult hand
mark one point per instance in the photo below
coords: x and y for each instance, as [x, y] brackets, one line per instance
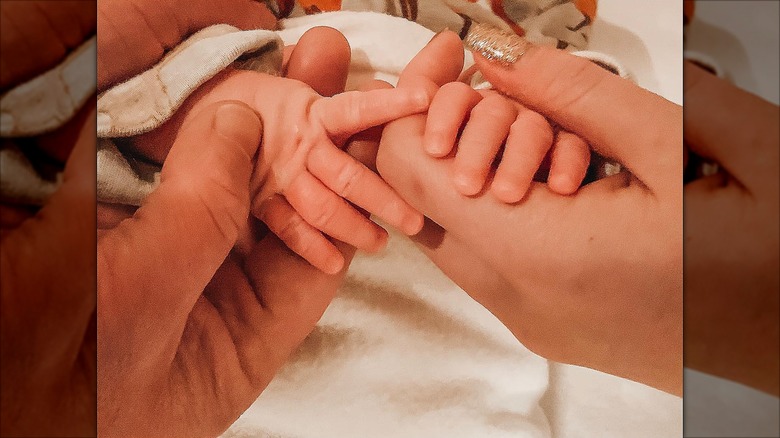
[191, 329]
[47, 255]
[732, 286]
[209, 316]
[593, 279]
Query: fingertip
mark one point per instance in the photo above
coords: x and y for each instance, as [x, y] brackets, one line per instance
[379, 240]
[562, 184]
[435, 147]
[334, 265]
[421, 97]
[321, 59]
[413, 224]
[507, 193]
[467, 184]
[238, 122]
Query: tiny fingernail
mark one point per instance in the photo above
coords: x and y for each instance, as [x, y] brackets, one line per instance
[467, 185]
[421, 98]
[433, 148]
[334, 265]
[562, 184]
[507, 192]
[413, 224]
[495, 44]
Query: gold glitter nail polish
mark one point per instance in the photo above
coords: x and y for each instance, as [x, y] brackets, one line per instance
[495, 44]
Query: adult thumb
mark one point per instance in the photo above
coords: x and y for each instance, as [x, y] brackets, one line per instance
[159, 262]
[620, 120]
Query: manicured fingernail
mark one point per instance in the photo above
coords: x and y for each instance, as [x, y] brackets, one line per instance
[495, 44]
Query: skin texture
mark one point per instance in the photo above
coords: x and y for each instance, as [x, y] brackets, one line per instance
[212, 338]
[47, 255]
[48, 299]
[303, 183]
[732, 285]
[489, 130]
[593, 279]
[234, 314]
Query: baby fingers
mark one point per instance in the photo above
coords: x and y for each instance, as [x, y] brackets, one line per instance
[569, 164]
[302, 238]
[352, 181]
[328, 212]
[348, 113]
[449, 109]
[488, 126]
[530, 138]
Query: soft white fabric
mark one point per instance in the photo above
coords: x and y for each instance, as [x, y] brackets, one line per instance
[145, 101]
[403, 352]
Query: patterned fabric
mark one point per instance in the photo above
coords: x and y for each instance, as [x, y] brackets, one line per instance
[561, 23]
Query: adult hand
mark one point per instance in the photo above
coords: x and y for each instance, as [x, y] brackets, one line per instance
[191, 329]
[732, 286]
[47, 255]
[593, 279]
[135, 34]
[194, 325]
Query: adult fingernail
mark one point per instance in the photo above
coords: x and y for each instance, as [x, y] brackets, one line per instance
[238, 123]
[495, 44]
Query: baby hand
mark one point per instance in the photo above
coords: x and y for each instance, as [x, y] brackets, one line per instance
[495, 129]
[304, 184]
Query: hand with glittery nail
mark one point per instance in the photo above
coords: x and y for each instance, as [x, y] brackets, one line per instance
[491, 131]
[593, 279]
